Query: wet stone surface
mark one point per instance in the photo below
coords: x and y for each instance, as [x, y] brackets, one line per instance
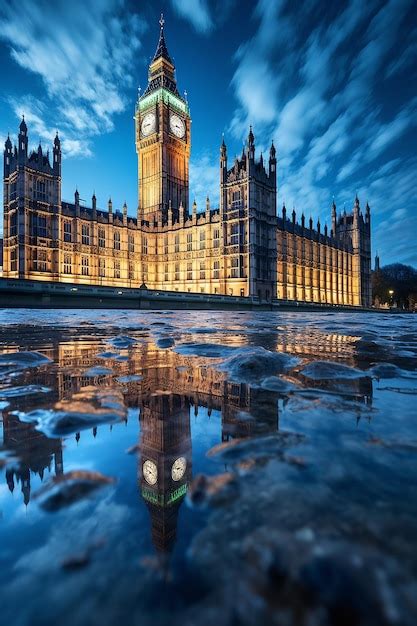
[195, 468]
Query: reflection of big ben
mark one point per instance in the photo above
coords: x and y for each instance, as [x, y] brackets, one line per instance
[162, 140]
[164, 462]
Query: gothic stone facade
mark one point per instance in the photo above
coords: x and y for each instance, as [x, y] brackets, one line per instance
[241, 248]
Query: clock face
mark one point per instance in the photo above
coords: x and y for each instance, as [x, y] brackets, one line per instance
[150, 472]
[148, 124]
[178, 468]
[177, 126]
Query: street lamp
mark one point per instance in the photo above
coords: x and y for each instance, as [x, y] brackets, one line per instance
[391, 293]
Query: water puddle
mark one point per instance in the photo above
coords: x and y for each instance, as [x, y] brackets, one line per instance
[191, 468]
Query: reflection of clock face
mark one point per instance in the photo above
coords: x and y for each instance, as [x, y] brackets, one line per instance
[150, 472]
[178, 468]
[148, 124]
[177, 126]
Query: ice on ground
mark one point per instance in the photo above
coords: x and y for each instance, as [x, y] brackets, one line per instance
[271, 446]
[57, 424]
[388, 370]
[129, 378]
[26, 390]
[108, 355]
[122, 341]
[204, 331]
[62, 491]
[327, 370]
[87, 409]
[11, 362]
[165, 342]
[254, 364]
[212, 490]
[210, 350]
[98, 371]
[273, 383]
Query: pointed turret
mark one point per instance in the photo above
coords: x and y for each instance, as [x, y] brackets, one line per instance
[223, 149]
[161, 49]
[22, 147]
[251, 144]
[23, 128]
[272, 161]
[8, 155]
[110, 209]
[251, 136]
[356, 211]
[334, 218]
[77, 203]
[368, 213]
[162, 69]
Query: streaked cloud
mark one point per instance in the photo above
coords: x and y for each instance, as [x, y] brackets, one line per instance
[195, 11]
[316, 85]
[204, 180]
[84, 57]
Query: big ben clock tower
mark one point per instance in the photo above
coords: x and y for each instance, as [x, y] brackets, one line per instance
[163, 141]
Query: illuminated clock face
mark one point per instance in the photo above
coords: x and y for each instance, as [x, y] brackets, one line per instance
[150, 472]
[178, 468]
[148, 124]
[177, 126]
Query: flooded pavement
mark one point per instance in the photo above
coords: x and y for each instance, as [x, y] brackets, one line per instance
[208, 468]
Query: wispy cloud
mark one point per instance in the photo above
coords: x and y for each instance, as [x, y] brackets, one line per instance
[204, 15]
[204, 180]
[84, 57]
[314, 85]
[197, 12]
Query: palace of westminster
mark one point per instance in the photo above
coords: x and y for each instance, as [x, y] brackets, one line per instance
[242, 248]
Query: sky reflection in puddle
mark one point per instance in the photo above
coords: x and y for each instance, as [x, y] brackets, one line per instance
[317, 450]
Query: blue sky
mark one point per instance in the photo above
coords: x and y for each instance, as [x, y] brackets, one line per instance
[334, 84]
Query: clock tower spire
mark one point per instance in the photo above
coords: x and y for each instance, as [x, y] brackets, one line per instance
[163, 143]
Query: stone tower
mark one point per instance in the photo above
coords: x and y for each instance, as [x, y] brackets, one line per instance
[355, 229]
[32, 207]
[163, 141]
[248, 193]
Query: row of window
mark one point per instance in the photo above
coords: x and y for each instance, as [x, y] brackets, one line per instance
[189, 271]
[202, 241]
[85, 267]
[86, 239]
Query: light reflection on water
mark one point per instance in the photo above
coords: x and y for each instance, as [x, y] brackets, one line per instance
[169, 407]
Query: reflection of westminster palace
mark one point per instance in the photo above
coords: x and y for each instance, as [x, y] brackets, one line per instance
[240, 248]
[168, 397]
